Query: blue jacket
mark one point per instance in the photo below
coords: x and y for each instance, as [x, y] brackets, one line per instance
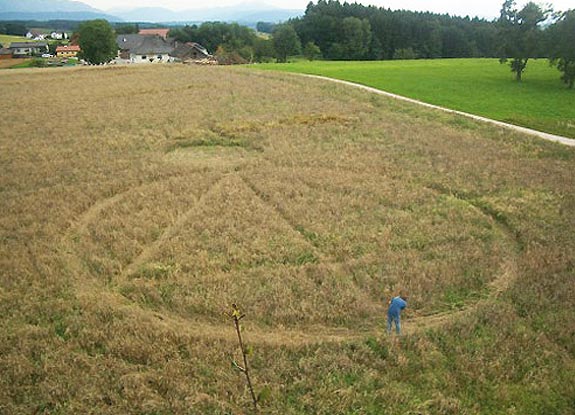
[397, 304]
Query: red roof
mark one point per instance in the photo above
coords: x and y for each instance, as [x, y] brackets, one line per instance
[69, 48]
[154, 32]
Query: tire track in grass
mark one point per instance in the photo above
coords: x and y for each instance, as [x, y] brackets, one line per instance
[324, 259]
[67, 244]
[169, 323]
[90, 215]
[92, 291]
[79, 226]
[506, 277]
[168, 233]
[298, 229]
[321, 334]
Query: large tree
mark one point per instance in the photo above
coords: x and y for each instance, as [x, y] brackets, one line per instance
[286, 42]
[562, 46]
[97, 41]
[520, 34]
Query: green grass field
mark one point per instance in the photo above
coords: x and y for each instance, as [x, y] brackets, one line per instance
[5, 40]
[478, 86]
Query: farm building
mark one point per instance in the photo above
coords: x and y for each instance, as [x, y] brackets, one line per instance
[24, 49]
[190, 51]
[144, 49]
[59, 35]
[35, 35]
[68, 51]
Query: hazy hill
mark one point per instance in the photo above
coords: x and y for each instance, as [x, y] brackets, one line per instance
[50, 10]
[28, 6]
[247, 12]
[146, 14]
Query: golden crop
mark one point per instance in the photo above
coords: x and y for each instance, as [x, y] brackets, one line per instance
[138, 203]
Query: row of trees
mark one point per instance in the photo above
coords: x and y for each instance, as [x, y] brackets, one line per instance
[353, 31]
[333, 30]
[21, 27]
[233, 43]
[356, 32]
[13, 28]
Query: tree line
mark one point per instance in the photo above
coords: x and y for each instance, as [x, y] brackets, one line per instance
[336, 31]
[21, 27]
[352, 31]
[230, 42]
[333, 30]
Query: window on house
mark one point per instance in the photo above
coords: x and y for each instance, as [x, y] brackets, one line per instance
[144, 57]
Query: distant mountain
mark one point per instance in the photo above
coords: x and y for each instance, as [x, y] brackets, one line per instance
[245, 13]
[46, 16]
[37, 6]
[146, 14]
[50, 10]
[242, 13]
[274, 16]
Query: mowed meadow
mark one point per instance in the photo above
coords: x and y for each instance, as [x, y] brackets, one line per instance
[477, 86]
[138, 204]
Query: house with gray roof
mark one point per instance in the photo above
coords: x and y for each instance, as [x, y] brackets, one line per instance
[144, 49]
[25, 49]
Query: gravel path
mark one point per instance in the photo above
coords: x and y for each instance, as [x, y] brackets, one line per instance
[546, 136]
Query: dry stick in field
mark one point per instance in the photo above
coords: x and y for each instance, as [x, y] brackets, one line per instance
[236, 316]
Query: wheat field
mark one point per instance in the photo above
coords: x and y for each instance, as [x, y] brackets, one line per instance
[138, 204]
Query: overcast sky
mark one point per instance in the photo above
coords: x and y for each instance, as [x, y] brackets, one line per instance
[481, 8]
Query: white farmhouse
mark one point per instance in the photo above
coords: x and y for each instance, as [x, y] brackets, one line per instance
[143, 49]
[59, 35]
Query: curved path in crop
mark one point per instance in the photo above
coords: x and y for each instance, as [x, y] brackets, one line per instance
[90, 290]
[170, 323]
[546, 136]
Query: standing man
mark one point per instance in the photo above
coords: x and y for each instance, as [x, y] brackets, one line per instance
[396, 304]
